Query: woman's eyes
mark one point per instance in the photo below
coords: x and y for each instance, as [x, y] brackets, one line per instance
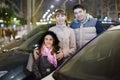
[60, 16]
[48, 39]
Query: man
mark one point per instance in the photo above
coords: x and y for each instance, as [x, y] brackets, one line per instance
[85, 27]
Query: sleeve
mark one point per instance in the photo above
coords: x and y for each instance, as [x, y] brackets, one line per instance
[71, 24]
[72, 45]
[99, 27]
[50, 29]
[36, 70]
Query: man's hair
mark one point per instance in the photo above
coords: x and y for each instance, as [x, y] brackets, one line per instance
[79, 6]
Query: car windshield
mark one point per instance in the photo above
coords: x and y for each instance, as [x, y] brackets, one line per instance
[29, 44]
[36, 30]
[98, 59]
[13, 44]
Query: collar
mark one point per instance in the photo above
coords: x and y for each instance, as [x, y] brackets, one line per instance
[61, 26]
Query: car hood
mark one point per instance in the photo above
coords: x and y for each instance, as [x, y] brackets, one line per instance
[11, 45]
[12, 59]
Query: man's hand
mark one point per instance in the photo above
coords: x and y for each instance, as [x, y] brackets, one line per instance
[60, 55]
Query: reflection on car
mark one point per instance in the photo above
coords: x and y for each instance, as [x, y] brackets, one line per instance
[16, 43]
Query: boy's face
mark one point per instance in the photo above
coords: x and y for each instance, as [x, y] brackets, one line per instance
[80, 14]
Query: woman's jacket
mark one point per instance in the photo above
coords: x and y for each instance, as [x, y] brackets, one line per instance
[66, 37]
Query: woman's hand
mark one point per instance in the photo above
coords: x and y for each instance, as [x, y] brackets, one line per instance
[36, 54]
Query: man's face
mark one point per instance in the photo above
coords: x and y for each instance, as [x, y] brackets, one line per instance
[80, 14]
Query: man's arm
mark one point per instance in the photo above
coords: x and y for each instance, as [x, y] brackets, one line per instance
[99, 27]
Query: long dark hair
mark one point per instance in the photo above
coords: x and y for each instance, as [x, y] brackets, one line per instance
[55, 42]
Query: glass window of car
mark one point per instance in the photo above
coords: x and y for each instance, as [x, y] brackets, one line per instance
[99, 59]
[29, 44]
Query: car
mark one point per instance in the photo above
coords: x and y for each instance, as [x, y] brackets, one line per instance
[109, 24]
[13, 63]
[16, 43]
[98, 60]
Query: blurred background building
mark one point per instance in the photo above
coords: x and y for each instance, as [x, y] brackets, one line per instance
[31, 12]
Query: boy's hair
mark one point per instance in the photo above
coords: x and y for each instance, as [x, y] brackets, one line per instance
[79, 6]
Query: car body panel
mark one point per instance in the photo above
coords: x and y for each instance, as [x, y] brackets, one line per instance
[13, 62]
[97, 60]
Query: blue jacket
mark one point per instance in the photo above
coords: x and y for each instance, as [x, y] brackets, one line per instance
[85, 31]
[90, 22]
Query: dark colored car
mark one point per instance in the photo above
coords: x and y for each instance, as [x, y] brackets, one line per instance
[13, 63]
[109, 24]
[98, 60]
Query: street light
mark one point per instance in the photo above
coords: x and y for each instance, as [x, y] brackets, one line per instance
[15, 19]
[14, 25]
[52, 6]
[48, 10]
[57, 0]
[6, 13]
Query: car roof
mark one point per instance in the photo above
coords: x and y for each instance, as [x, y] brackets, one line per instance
[114, 28]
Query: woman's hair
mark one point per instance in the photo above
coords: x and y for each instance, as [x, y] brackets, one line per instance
[55, 41]
[61, 12]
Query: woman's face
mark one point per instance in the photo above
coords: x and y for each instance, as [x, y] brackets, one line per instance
[48, 40]
[60, 19]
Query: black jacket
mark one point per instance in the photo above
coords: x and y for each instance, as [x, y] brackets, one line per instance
[42, 67]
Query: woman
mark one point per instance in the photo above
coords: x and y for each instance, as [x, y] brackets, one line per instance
[45, 55]
[65, 35]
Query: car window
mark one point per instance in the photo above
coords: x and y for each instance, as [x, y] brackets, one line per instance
[98, 59]
[29, 44]
[36, 30]
[101, 47]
